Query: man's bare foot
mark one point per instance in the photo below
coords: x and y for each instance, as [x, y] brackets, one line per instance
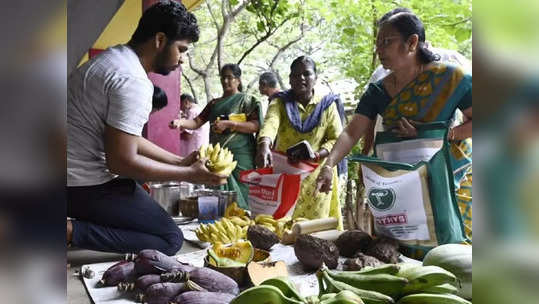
[69, 231]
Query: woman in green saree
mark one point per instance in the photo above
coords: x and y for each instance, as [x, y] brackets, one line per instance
[418, 90]
[238, 135]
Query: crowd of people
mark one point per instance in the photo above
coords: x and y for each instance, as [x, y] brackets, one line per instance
[109, 103]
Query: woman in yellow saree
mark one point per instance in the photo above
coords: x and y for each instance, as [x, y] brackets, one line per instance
[299, 114]
[418, 90]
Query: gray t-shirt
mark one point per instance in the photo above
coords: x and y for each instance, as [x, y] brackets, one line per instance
[114, 89]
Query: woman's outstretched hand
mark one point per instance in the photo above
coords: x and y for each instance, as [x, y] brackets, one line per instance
[175, 124]
[263, 156]
[324, 179]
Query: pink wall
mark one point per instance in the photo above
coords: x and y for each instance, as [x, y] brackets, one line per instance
[157, 128]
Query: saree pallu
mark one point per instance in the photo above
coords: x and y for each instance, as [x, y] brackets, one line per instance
[434, 95]
[242, 145]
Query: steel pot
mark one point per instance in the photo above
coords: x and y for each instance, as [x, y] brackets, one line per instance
[167, 195]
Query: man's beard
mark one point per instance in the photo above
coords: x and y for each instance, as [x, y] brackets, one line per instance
[160, 63]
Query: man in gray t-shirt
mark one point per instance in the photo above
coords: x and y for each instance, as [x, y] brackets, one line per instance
[109, 101]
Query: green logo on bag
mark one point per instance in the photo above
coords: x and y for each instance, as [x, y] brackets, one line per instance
[381, 199]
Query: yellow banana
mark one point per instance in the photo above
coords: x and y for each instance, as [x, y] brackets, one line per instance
[224, 238]
[226, 171]
[209, 151]
[202, 150]
[262, 216]
[236, 220]
[215, 153]
[267, 221]
[284, 219]
[201, 236]
[244, 231]
[213, 228]
[213, 237]
[270, 227]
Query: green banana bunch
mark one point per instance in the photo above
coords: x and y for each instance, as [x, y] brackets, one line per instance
[266, 294]
[429, 298]
[380, 269]
[384, 283]
[443, 289]
[220, 160]
[421, 278]
[343, 297]
[286, 286]
[334, 286]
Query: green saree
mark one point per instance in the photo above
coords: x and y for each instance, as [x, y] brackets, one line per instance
[242, 145]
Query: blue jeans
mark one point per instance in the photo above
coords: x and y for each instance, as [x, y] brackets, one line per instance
[119, 216]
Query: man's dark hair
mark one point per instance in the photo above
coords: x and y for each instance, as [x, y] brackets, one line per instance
[268, 79]
[159, 99]
[188, 97]
[170, 18]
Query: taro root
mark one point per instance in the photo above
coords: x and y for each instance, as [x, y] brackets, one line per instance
[202, 297]
[151, 261]
[261, 237]
[312, 252]
[385, 249]
[352, 241]
[123, 271]
[361, 261]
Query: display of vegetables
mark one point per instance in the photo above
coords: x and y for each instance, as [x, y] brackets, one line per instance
[441, 279]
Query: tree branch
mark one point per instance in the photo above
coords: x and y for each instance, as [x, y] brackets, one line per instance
[458, 22]
[212, 15]
[198, 71]
[285, 47]
[262, 39]
[190, 85]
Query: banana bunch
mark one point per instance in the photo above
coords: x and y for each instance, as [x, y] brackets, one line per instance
[234, 210]
[224, 230]
[277, 226]
[220, 160]
[385, 284]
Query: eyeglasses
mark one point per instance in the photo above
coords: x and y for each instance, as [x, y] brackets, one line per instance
[386, 41]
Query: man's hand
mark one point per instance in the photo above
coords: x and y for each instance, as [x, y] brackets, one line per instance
[201, 175]
[190, 159]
